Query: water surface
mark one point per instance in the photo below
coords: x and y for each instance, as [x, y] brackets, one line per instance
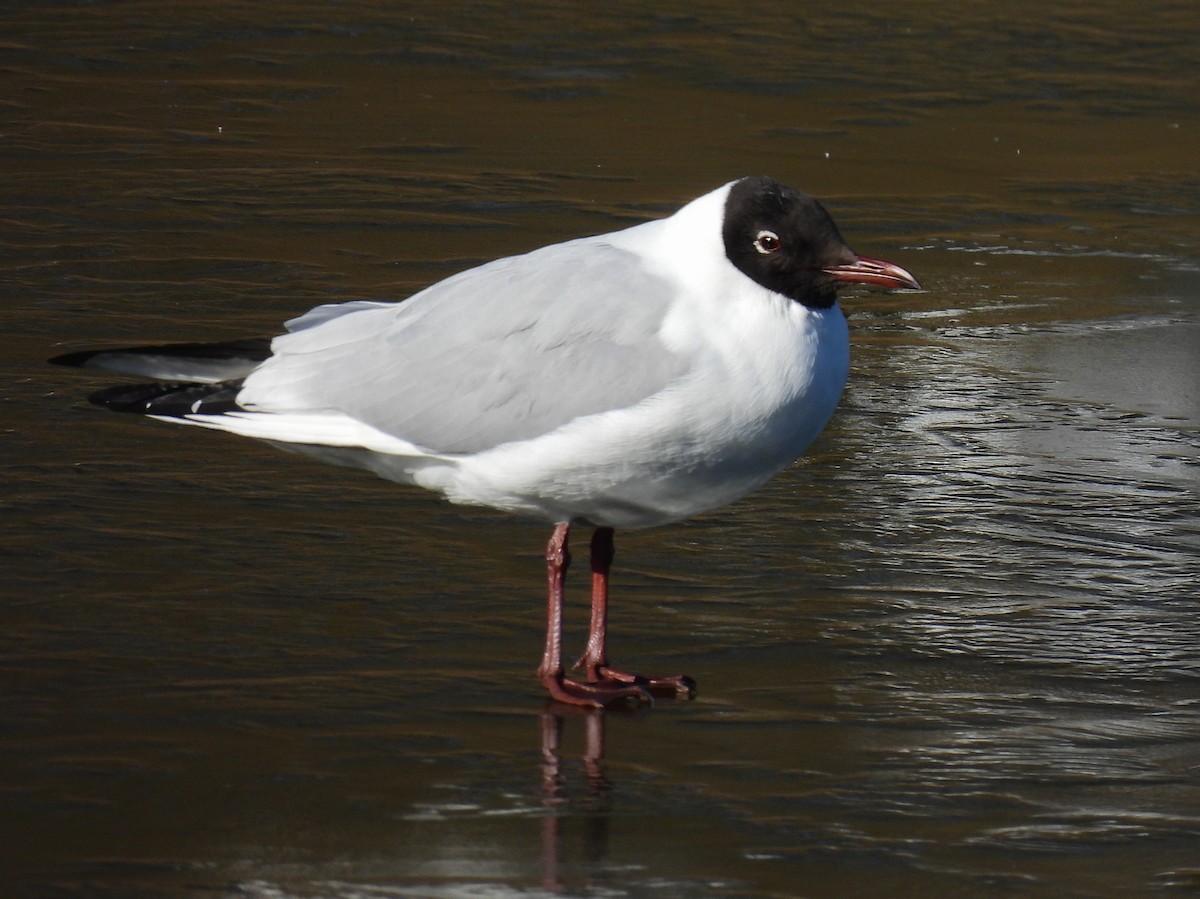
[953, 652]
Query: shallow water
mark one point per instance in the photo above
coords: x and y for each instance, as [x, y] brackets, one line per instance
[955, 651]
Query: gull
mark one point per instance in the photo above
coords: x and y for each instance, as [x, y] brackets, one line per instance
[624, 380]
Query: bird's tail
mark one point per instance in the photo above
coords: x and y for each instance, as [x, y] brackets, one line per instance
[187, 378]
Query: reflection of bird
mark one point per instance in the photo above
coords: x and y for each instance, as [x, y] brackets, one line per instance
[596, 813]
[624, 380]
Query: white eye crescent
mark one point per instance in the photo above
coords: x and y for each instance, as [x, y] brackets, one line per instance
[767, 242]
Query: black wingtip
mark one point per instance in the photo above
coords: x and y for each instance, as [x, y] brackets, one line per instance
[179, 363]
[173, 400]
[75, 360]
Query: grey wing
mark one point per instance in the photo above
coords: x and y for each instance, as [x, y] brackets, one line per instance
[504, 352]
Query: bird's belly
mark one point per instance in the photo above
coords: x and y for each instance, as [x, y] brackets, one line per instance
[662, 461]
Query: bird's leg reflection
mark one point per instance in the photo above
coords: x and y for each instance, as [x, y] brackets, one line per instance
[594, 661]
[554, 793]
[593, 754]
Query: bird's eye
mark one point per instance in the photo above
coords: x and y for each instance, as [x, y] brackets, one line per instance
[767, 242]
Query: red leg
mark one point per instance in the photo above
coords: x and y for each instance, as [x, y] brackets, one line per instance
[595, 659]
[562, 688]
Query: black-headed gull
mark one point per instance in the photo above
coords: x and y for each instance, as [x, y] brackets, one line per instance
[623, 380]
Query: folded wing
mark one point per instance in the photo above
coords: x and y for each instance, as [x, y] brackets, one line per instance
[500, 353]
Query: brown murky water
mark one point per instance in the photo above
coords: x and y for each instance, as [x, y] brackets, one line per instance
[956, 652]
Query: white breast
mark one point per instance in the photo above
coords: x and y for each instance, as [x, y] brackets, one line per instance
[766, 378]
